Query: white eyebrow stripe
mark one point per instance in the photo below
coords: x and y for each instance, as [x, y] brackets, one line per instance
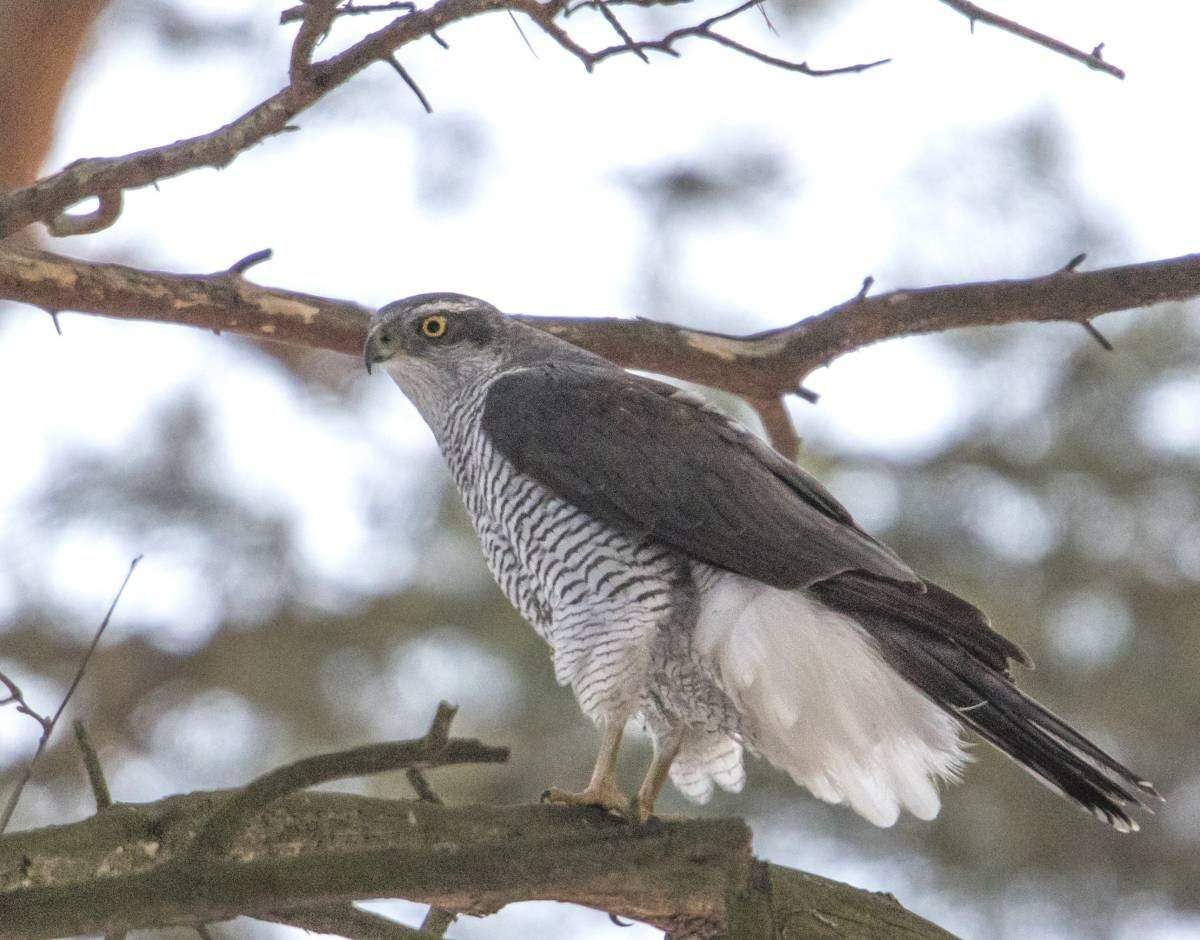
[446, 306]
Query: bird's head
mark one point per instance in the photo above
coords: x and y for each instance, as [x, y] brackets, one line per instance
[441, 329]
[436, 346]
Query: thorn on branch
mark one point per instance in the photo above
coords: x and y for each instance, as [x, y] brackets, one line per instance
[105, 214]
[807, 394]
[867, 283]
[408, 80]
[91, 764]
[242, 265]
[1097, 335]
[53, 314]
[666, 45]
[1093, 59]
[1074, 263]
[618, 922]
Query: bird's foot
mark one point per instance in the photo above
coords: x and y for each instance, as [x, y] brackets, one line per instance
[608, 798]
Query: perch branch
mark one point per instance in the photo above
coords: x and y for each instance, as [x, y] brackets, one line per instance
[1092, 60]
[764, 368]
[122, 870]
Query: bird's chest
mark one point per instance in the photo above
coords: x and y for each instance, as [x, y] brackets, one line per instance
[572, 576]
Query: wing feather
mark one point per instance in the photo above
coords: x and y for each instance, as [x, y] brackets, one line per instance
[643, 457]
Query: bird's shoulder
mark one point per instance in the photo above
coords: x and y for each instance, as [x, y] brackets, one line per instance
[645, 455]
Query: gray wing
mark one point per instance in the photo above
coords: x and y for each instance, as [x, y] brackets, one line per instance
[644, 457]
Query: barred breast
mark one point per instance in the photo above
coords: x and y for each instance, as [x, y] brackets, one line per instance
[597, 595]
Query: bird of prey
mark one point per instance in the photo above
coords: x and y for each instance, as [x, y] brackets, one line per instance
[688, 576]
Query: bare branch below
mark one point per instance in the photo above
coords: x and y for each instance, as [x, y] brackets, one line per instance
[310, 855]
[763, 368]
[1093, 59]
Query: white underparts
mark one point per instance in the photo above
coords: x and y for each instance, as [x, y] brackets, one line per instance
[821, 704]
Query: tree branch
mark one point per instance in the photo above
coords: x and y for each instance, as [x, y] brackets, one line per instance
[107, 177]
[763, 368]
[121, 870]
[1092, 60]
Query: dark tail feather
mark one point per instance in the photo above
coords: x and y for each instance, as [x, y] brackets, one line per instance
[983, 698]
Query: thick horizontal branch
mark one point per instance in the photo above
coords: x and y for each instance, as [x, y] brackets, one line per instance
[763, 367]
[117, 870]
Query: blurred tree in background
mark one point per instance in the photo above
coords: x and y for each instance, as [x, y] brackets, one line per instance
[311, 580]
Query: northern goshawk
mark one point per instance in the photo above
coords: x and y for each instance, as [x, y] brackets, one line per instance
[687, 575]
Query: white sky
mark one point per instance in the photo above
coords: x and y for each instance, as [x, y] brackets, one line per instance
[552, 230]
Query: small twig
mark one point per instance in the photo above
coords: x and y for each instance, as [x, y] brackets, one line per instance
[408, 80]
[91, 764]
[421, 787]
[620, 31]
[48, 724]
[762, 8]
[1092, 60]
[778, 424]
[316, 19]
[437, 921]
[704, 30]
[520, 32]
[433, 750]
[1097, 335]
[349, 9]
[104, 215]
[17, 697]
[543, 15]
[242, 265]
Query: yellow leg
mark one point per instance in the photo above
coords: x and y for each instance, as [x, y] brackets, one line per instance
[656, 776]
[602, 789]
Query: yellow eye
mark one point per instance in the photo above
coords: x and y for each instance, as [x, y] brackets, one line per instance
[434, 327]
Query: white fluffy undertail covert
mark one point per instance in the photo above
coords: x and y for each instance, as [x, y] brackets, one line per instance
[822, 704]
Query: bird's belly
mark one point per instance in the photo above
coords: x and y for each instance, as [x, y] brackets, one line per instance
[597, 595]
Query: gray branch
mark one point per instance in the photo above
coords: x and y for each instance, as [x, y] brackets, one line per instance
[309, 855]
[764, 368]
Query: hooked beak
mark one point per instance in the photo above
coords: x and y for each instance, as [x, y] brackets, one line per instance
[372, 352]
